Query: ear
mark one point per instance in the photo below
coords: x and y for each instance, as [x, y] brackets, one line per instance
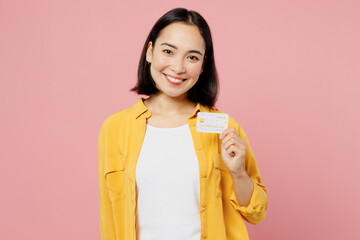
[149, 52]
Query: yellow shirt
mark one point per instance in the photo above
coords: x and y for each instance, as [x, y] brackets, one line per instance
[119, 145]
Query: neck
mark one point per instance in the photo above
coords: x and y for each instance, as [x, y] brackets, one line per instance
[161, 103]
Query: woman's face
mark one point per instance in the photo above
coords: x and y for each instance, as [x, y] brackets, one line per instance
[176, 59]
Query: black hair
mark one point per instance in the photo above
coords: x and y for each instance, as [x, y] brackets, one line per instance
[206, 88]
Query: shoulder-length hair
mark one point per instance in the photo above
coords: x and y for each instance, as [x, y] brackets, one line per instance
[206, 88]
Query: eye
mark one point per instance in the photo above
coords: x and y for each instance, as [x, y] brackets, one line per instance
[194, 58]
[167, 51]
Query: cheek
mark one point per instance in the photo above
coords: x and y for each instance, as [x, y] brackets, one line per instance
[159, 63]
[195, 71]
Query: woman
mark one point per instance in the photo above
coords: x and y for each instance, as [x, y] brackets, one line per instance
[160, 178]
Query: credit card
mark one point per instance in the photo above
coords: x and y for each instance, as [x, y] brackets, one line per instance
[212, 122]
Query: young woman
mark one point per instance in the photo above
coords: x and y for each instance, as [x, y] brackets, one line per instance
[159, 178]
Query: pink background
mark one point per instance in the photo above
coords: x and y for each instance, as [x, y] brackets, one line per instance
[289, 73]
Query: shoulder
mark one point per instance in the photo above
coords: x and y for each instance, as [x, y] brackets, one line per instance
[118, 119]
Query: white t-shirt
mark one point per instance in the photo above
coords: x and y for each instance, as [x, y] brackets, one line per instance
[167, 183]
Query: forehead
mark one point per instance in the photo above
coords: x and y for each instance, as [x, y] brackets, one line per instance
[182, 35]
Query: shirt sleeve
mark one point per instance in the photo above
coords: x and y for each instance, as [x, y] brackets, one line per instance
[256, 210]
[107, 229]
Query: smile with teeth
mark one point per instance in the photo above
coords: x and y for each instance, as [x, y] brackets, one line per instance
[173, 80]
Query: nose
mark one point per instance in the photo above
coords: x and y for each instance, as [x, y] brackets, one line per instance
[178, 66]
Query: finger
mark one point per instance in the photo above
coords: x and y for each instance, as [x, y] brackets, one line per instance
[233, 151]
[235, 148]
[226, 132]
[231, 142]
[231, 135]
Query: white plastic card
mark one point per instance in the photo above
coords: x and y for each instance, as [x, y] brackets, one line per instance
[212, 122]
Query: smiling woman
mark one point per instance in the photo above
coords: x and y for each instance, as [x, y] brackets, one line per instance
[176, 59]
[205, 91]
[159, 177]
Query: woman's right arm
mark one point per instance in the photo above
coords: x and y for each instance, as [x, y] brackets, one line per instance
[107, 229]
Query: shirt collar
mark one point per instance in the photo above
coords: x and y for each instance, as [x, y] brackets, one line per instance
[140, 109]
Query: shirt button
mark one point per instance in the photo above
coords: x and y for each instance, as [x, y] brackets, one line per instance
[199, 148]
[204, 205]
[204, 175]
[204, 235]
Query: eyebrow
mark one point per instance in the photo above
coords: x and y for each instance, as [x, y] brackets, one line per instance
[170, 45]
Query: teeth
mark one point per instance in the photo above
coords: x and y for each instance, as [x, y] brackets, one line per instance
[174, 79]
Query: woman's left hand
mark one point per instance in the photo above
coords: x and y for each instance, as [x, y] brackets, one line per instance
[233, 150]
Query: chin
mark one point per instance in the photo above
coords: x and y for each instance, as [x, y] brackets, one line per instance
[174, 95]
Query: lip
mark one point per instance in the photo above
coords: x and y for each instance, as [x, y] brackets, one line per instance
[174, 83]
